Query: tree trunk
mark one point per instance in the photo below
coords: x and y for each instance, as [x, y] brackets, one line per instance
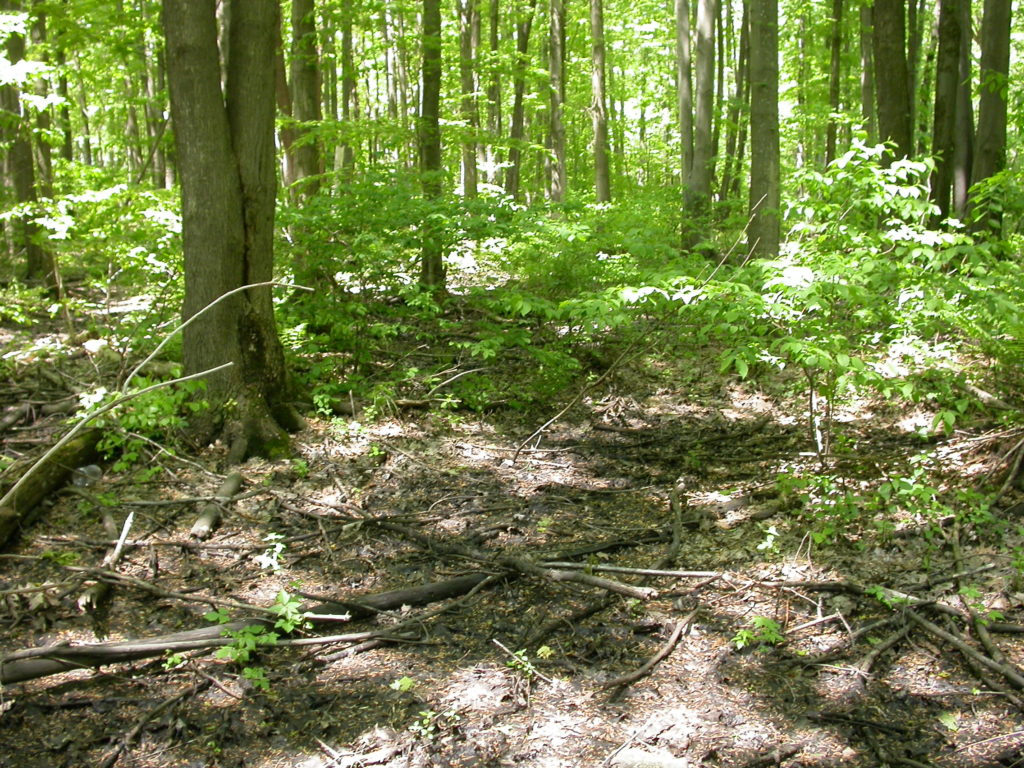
[735, 137]
[494, 126]
[763, 232]
[517, 131]
[684, 87]
[892, 93]
[468, 10]
[698, 186]
[602, 177]
[20, 169]
[963, 134]
[225, 149]
[432, 274]
[348, 89]
[867, 72]
[993, 75]
[305, 90]
[947, 65]
[556, 66]
[834, 77]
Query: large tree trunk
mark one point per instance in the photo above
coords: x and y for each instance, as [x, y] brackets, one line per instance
[598, 104]
[763, 232]
[432, 276]
[225, 149]
[990, 141]
[892, 93]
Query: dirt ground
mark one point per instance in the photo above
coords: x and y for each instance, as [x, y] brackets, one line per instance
[532, 670]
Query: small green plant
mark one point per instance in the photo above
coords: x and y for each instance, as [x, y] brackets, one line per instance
[301, 467]
[762, 631]
[247, 641]
[431, 724]
[403, 684]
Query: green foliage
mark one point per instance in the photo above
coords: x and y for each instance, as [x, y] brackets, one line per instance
[156, 416]
[762, 631]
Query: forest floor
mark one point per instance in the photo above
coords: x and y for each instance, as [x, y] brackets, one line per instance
[769, 647]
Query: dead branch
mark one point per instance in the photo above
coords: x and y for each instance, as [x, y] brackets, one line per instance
[209, 516]
[1009, 672]
[49, 660]
[663, 652]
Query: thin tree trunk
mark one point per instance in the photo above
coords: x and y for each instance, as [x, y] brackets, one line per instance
[734, 141]
[963, 135]
[944, 120]
[494, 115]
[684, 87]
[763, 232]
[556, 65]
[602, 178]
[698, 186]
[834, 78]
[432, 274]
[517, 131]
[468, 9]
[348, 90]
[867, 71]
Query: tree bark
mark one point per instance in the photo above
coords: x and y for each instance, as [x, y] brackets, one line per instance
[494, 113]
[684, 87]
[225, 149]
[468, 11]
[867, 72]
[19, 167]
[598, 104]
[517, 130]
[947, 65]
[305, 91]
[990, 140]
[556, 66]
[963, 135]
[892, 93]
[432, 273]
[763, 232]
[834, 78]
[698, 185]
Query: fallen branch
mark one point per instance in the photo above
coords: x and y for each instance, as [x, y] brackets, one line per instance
[657, 658]
[1009, 672]
[49, 660]
[209, 516]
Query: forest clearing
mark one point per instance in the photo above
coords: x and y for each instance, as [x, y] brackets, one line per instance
[405, 384]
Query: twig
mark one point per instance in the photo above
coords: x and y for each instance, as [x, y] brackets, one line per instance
[518, 659]
[125, 741]
[663, 652]
[635, 571]
[1005, 670]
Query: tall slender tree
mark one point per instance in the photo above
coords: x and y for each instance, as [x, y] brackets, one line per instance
[698, 185]
[763, 230]
[558, 180]
[598, 103]
[432, 272]
[947, 67]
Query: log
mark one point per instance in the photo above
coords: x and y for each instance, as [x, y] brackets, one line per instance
[21, 510]
[49, 660]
